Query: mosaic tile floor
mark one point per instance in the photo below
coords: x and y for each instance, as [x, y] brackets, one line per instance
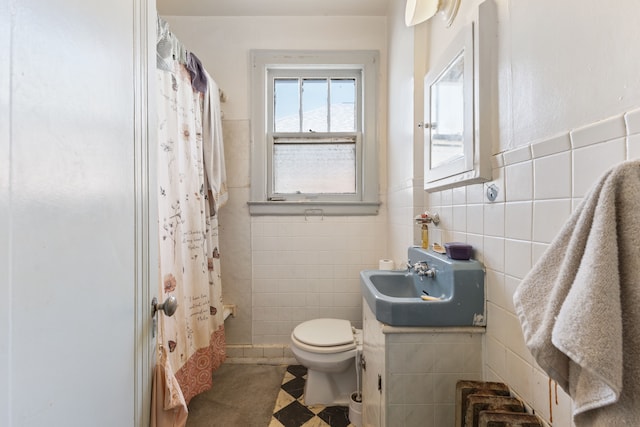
[290, 410]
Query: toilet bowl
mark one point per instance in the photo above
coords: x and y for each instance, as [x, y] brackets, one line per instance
[328, 349]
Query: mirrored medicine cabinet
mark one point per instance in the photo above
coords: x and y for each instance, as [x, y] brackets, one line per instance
[453, 154]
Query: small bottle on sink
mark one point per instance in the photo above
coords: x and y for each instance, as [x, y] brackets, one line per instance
[425, 236]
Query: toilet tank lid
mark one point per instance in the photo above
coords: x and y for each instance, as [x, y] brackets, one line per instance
[324, 332]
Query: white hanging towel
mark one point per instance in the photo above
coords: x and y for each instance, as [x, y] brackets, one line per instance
[213, 146]
[580, 304]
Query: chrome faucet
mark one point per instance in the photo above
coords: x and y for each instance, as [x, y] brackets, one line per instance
[421, 268]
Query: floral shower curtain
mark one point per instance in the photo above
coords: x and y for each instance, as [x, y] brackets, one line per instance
[191, 189]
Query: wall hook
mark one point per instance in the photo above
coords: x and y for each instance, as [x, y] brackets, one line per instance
[492, 192]
[313, 212]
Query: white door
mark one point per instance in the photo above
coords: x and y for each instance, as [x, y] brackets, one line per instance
[75, 324]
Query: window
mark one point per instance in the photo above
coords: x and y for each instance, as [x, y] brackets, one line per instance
[314, 145]
[313, 134]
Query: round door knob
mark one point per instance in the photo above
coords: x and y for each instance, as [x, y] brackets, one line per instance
[169, 306]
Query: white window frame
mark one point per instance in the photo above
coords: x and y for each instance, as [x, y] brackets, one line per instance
[268, 63]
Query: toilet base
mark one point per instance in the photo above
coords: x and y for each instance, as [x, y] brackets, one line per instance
[329, 389]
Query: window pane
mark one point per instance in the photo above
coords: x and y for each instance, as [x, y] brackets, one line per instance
[286, 105]
[343, 105]
[314, 168]
[315, 95]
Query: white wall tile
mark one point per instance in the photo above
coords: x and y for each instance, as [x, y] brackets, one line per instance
[519, 181]
[273, 351]
[446, 197]
[477, 243]
[520, 375]
[494, 219]
[414, 389]
[497, 161]
[461, 357]
[460, 218]
[575, 203]
[497, 328]
[475, 219]
[307, 268]
[554, 145]
[446, 217]
[562, 411]
[591, 162]
[542, 394]
[444, 415]
[510, 285]
[266, 313]
[458, 236]
[234, 351]
[520, 154]
[434, 199]
[604, 130]
[491, 375]
[632, 121]
[476, 193]
[494, 253]
[445, 387]
[494, 283]
[517, 220]
[403, 365]
[496, 354]
[537, 250]
[459, 196]
[517, 257]
[552, 177]
[514, 338]
[548, 218]
[633, 146]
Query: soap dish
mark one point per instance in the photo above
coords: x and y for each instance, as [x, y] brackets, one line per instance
[438, 248]
[457, 250]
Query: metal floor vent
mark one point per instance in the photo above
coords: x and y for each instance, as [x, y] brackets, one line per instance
[490, 404]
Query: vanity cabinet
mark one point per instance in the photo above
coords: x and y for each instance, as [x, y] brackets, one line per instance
[410, 373]
[373, 369]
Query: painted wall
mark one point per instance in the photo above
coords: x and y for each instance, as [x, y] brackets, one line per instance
[284, 270]
[402, 152]
[569, 87]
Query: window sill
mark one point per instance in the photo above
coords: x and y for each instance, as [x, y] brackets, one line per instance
[307, 208]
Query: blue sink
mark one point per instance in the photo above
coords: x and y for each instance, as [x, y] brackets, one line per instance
[455, 294]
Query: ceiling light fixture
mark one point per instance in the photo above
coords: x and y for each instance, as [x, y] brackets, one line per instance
[418, 11]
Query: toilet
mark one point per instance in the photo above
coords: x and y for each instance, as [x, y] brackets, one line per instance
[328, 349]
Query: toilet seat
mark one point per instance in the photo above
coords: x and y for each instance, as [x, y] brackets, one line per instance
[324, 336]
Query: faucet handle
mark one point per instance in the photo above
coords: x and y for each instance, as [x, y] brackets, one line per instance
[423, 269]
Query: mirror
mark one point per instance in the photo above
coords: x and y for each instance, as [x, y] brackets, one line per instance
[446, 119]
[451, 143]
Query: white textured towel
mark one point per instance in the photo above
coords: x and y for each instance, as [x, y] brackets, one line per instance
[212, 144]
[580, 304]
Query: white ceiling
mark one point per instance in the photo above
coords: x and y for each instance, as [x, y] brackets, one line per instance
[272, 7]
